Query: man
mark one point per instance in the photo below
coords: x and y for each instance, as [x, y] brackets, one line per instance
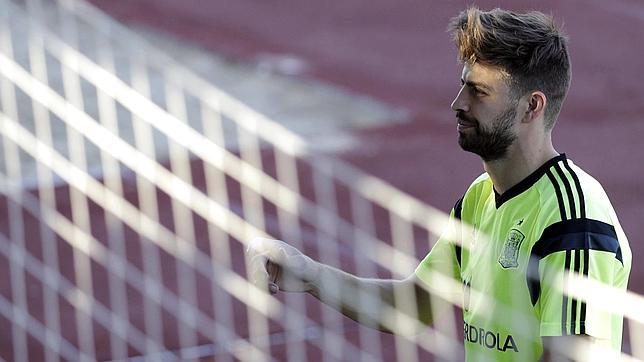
[543, 218]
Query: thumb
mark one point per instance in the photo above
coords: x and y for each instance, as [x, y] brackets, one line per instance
[274, 274]
[273, 288]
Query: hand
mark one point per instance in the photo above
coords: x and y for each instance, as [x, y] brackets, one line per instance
[279, 266]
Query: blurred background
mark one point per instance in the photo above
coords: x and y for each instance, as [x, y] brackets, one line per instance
[401, 56]
[145, 142]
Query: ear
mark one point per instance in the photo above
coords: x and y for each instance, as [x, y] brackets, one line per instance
[536, 106]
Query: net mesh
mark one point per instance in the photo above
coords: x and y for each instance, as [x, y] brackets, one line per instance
[130, 189]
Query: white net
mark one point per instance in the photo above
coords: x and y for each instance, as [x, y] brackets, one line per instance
[130, 189]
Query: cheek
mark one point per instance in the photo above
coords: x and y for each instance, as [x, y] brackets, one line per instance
[486, 118]
[484, 110]
[502, 109]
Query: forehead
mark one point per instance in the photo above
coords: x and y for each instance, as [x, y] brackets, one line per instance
[490, 76]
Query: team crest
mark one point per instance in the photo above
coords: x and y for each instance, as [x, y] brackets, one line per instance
[509, 257]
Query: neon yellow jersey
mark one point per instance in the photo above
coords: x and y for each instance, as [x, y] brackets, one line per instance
[555, 222]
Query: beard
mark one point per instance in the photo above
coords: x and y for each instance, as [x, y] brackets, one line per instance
[490, 143]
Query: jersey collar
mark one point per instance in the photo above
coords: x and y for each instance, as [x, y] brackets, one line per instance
[527, 182]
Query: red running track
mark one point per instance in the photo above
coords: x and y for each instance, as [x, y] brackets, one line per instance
[400, 53]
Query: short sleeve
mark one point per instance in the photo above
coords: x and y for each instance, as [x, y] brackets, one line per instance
[590, 249]
[442, 260]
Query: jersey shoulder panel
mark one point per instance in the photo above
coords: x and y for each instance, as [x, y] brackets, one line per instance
[567, 192]
[572, 201]
[580, 233]
[561, 196]
[478, 190]
[597, 203]
[599, 207]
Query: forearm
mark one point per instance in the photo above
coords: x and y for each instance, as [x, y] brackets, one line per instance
[376, 303]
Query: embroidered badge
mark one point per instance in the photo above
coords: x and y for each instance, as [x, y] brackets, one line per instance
[509, 257]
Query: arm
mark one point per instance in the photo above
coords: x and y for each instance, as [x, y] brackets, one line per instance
[572, 327]
[372, 301]
[279, 266]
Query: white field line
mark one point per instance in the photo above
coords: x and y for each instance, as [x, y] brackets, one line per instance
[232, 283]
[371, 188]
[247, 174]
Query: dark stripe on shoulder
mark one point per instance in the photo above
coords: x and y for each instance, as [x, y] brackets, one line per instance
[578, 234]
[566, 183]
[580, 192]
[458, 208]
[555, 184]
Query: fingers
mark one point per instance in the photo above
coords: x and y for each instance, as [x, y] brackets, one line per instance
[261, 271]
[257, 270]
[274, 274]
[273, 288]
[265, 256]
[257, 258]
[265, 274]
[273, 271]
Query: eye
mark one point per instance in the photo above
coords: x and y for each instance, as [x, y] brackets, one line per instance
[478, 91]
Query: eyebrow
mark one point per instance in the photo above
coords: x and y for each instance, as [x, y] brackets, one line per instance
[470, 83]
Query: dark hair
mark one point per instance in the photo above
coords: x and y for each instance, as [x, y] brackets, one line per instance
[529, 47]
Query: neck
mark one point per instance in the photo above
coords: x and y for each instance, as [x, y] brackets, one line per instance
[518, 164]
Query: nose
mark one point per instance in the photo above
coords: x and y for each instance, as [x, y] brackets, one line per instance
[460, 102]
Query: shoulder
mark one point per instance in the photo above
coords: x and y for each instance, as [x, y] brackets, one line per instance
[597, 203]
[598, 207]
[571, 193]
[590, 198]
[575, 212]
[479, 188]
[483, 179]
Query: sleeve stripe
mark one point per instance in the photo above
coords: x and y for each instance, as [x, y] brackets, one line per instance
[585, 252]
[582, 312]
[577, 234]
[566, 183]
[555, 184]
[564, 304]
[580, 193]
[573, 309]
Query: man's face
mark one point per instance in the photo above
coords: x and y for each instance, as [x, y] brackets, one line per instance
[485, 111]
